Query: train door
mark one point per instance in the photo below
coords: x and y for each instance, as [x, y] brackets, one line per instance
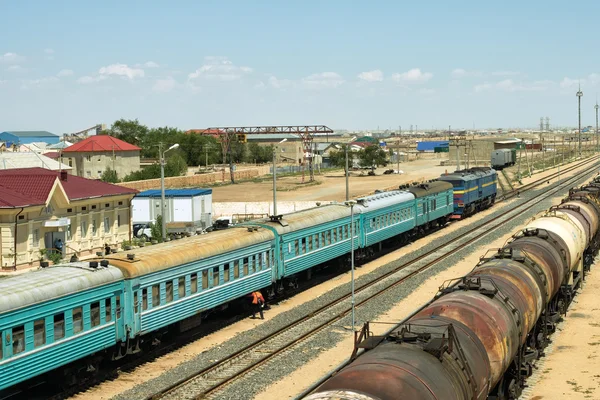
[138, 302]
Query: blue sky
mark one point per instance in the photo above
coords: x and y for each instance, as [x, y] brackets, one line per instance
[67, 65]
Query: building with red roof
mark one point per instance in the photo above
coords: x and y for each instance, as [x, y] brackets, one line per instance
[93, 155]
[40, 206]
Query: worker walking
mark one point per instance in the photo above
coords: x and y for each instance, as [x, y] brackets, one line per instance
[258, 302]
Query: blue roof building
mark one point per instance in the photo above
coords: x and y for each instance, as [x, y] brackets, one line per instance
[430, 146]
[26, 137]
[175, 192]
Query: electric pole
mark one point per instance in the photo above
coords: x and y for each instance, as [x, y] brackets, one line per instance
[579, 96]
[596, 107]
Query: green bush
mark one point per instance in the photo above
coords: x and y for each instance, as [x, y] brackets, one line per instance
[156, 229]
[110, 176]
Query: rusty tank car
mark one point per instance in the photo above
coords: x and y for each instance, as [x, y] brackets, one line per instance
[477, 339]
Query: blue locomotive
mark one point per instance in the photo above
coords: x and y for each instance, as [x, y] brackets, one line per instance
[474, 190]
[81, 313]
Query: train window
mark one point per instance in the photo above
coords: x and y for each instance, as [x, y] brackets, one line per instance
[144, 299]
[107, 310]
[194, 283]
[155, 295]
[310, 243]
[316, 241]
[322, 242]
[77, 320]
[268, 258]
[118, 306]
[39, 333]
[181, 287]
[296, 247]
[246, 264]
[334, 235]
[95, 313]
[236, 269]
[448, 198]
[59, 326]
[215, 272]
[169, 291]
[434, 204]
[18, 337]
[328, 237]
[345, 231]
[303, 240]
[136, 306]
[205, 279]
[226, 273]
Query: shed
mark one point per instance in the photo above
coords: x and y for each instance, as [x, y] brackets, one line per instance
[507, 144]
[25, 137]
[431, 145]
[192, 205]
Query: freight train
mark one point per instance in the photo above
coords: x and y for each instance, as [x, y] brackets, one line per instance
[82, 313]
[478, 338]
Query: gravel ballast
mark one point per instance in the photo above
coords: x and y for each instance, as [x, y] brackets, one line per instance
[254, 382]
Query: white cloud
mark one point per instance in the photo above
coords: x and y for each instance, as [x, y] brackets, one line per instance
[151, 64]
[10, 58]
[371, 76]
[122, 70]
[568, 83]
[65, 72]
[84, 80]
[164, 85]
[279, 83]
[459, 73]
[483, 87]
[323, 80]
[219, 68]
[412, 76]
[49, 51]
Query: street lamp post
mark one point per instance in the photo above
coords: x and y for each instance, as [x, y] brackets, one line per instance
[275, 178]
[579, 95]
[162, 187]
[596, 107]
[347, 175]
[351, 203]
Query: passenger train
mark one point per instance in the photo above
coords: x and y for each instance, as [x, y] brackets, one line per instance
[81, 313]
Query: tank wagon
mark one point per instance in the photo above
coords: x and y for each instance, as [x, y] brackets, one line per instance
[502, 158]
[65, 320]
[474, 190]
[478, 337]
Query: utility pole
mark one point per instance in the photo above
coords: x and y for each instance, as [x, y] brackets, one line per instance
[275, 181]
[347, 174]
[579, 96]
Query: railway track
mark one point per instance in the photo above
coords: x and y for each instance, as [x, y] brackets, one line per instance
[209, 382]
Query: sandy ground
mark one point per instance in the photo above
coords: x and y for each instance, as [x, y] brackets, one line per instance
[576, 345]
[304, 377]
[330, 185]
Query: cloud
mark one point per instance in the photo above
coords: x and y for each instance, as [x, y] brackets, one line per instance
[412, 76]
[65, 72]
[122, 70]
[219, 68]
[323, 80]
[49, 51]
[279, 83]
[483, 87]
[371, 76]
[459, 73]
[164, 85]
[148, 64]
[10, 58]
[568, 83]
[84, 80]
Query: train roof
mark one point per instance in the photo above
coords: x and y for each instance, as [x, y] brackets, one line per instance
[468, 174]
[383, 199]
[429, 188]
[163, 256]
[52, 282]
[307, 218]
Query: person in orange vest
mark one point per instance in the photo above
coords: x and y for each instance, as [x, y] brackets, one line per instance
[258, 302]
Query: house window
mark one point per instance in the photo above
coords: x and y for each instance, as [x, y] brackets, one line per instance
[35, 238]
[69, 210]
[83, 229]
[93, 207]
[106, 224]
[49, 209]
[88, 158]
[88, 173]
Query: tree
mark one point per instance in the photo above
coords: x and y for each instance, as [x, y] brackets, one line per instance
[156, 229]
[338, 158]
[259, 154]
[130, 131]
[175, 166]
[372, 156]
[109, 175]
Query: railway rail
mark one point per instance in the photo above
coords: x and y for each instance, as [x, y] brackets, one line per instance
[209, 382]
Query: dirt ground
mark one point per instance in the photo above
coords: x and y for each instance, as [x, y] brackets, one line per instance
[296, 382]
[330, 185]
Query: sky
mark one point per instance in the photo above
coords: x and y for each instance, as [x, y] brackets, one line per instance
[68, 65]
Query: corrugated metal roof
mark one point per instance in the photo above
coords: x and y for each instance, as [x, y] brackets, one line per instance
[11, 160]
[508, 141]
[384, 199]
[49, 283]
[101, 143]
[175, 192]
[31, 133]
